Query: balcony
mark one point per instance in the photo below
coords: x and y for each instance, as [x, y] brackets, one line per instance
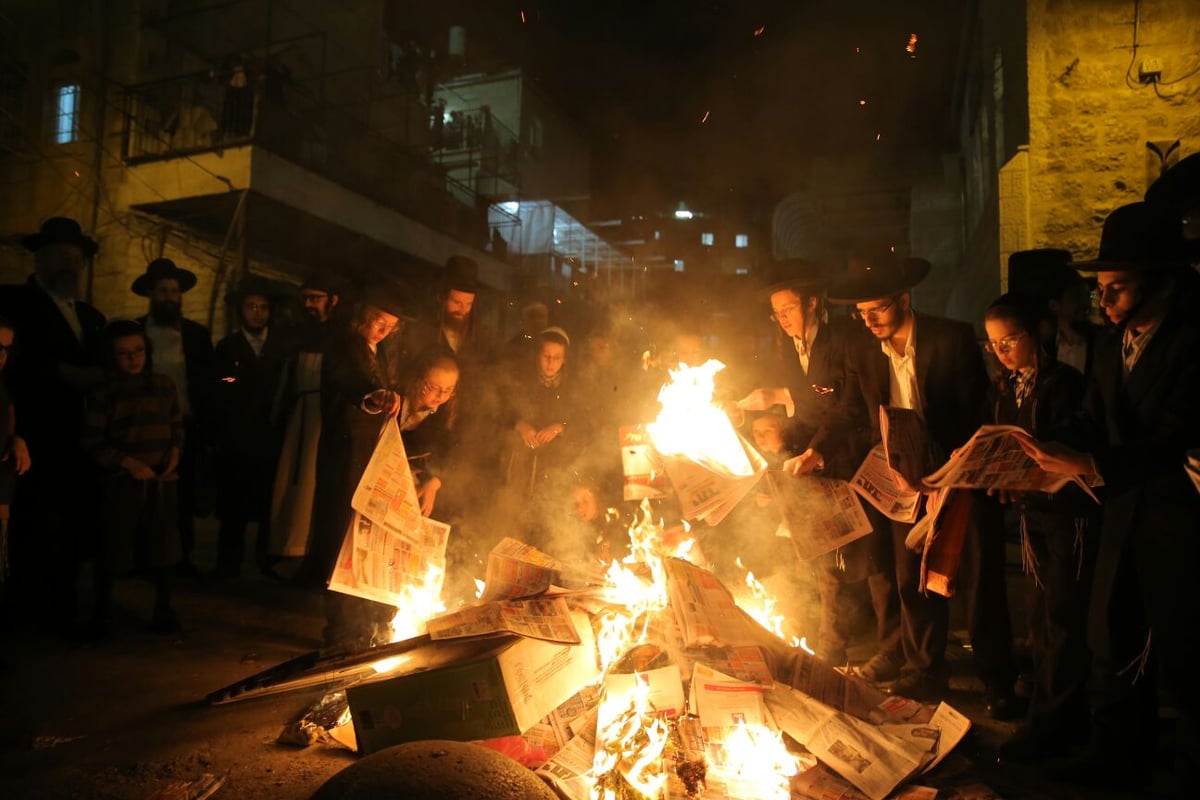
[327, 160]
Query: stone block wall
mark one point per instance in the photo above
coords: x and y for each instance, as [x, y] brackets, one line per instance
[1089, 116]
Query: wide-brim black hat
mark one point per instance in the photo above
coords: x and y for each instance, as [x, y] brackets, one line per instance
[799, 274]
[252, 285]
[162, 269]
[461, 274]
[392, 297]
[1179, 189]
[1145, 237]
[875, 274]
[61, 230]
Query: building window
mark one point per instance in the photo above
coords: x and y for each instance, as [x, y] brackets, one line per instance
[742, 271]
[741, 240]
[657, 235]
[679, 266]
[706, 239]
[66, 113]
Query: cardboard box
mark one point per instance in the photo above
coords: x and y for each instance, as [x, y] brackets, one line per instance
[467, 689]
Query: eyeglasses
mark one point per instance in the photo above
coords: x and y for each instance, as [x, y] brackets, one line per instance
[785, 311]
[871, 314]
[1001, 347]
[439, 392]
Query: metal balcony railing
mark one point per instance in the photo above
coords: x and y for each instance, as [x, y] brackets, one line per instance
[352, 127]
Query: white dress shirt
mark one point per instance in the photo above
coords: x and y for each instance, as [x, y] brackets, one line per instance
[905, 391]
[166, 342]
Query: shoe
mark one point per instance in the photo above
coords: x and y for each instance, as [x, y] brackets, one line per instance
[1002, 704]
[925, 686]
[882, 667]
[165, 622]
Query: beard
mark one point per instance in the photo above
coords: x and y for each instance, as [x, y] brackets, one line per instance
[166, 313]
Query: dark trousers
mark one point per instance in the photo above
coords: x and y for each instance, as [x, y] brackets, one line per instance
[838, 572]
[924, 617]
[982, 585]
[186, 510]
[1057, 584]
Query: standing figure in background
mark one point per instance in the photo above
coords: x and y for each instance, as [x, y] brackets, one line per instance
[299, 402]
[183, 351]
[249, 361]
[50, 370]
[134, 431]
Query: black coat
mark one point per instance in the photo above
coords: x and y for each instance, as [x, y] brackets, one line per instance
[1142, 427]
[201, 367]
[816, 395]
[49, 412]
[950, 375]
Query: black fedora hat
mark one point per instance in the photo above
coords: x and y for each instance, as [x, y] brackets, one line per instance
[253, 285]
[61, 230]
[1139, 236]
[794, 273]
[461, 274]
[162, 269]
[392, 297]
[876, 273]
[1179, 189]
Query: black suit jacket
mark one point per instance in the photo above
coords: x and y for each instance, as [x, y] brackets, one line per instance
[1142, 427]
[950, 375]
[48, 411]
[817, 393]
[201, 366]
[245, 390]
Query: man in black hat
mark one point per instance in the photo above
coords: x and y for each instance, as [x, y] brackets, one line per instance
[934, 367]
[183, 351]
[1144, 618]
[453, 332]
[249, 362]
[360, 388]
[51, 368]
[812, 350]
[296, 471]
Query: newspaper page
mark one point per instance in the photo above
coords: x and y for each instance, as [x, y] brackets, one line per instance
[386, 493]
[830, 686]
[905, 442]
[568, 770]
[704, 609]
[871, 759]
[546, 618]
[664, 687]
[820, 514]
[939, 735]
[723, 703]
[516, 569]
[993, 459]
[876, 484]
[644, 471]
[709, 490]
[378, 563]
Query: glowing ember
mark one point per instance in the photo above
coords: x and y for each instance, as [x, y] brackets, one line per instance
[911, 49]
[704, 119]
[691, 425]
[757, 764]
[759, 30]
[420, 601]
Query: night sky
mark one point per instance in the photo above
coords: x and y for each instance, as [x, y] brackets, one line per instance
[779, 80]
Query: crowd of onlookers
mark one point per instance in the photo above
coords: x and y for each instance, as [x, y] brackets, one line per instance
[118, 435]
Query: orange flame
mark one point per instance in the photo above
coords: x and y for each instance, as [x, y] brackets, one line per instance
[756, 763]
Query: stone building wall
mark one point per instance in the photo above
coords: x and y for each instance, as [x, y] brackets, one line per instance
[1089, 116]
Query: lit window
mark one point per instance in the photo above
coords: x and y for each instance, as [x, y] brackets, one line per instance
[66, 113]
[706, 239]
[741, 240]
[657, 235]
[679, 267]
[742, 271]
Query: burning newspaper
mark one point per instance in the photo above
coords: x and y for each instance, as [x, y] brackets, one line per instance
[644, 471]
[545, 618]
[820, 515]
[516, 569]
[379, 563]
